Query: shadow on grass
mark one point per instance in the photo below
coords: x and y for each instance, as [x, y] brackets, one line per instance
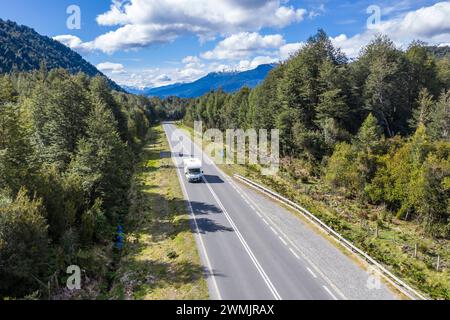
[163, 218]
[149, 267]
[143, 279]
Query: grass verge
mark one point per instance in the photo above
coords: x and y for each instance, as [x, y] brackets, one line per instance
[160, 260]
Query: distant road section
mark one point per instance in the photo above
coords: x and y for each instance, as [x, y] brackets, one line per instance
[254, 249]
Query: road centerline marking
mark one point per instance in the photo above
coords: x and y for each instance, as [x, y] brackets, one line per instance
[246, 246]
[313, 265]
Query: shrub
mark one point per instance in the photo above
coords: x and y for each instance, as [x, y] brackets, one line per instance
[23, 246]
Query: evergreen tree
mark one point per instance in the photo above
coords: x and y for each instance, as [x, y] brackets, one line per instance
[59, 110]
[100, 90]
[102, 160]
[23, 246]
[384, 90]
[16, 166]
[7, 91]
[425, 108]
[439, 124]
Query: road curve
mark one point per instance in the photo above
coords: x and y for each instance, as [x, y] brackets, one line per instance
[254, 249]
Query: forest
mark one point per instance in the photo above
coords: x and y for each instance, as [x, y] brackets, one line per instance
[364, 145]
[67, 148]
[23, 49]
[375, 129]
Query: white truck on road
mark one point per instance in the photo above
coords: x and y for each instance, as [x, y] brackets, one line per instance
[193, 170]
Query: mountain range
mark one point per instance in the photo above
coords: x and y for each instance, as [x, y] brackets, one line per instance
[23, 49]
[228, 81]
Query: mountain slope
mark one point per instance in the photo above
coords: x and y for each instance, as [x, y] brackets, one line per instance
[23, 49]
[228, 81]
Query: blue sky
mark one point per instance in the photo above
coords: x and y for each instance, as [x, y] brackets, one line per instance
[158, 42]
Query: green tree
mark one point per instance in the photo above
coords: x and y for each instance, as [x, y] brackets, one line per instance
[439, 123]
[59, 109]
[103, 160]
[342, 170]
[369, 135]
[101, 91]
[23, 246]
[430, 194]
[384, 92]
[7, 91]
[395, 181]
[16, 167]
[422, 72]
[425, 108]
[352, 167]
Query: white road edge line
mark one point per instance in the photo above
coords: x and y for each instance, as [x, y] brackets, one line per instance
[292, 243]
[197, 229]
[294, 253]
[310, 271]
[282, 240]
[255, 261]
[274, 231]
[330, 293]
[238, 189]
[246, 247]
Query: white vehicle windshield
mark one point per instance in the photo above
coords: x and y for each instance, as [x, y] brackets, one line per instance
[194, 171]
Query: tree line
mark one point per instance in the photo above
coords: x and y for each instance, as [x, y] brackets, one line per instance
[375, 128]
[67, 148]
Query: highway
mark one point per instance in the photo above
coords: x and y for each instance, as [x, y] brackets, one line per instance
[254, 249]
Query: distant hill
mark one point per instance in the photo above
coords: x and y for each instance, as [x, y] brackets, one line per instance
[23, 49]
[229, 82]
[133, 90]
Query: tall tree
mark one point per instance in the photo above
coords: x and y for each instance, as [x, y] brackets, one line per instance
[102, 160]
[16, 153]
[23, 246]
[59, 110]
[439, 124]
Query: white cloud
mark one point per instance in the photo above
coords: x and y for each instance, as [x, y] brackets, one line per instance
[430, 24]
[145, 22]
[243, 45]
[192, 62]
[191, 59]
[252, 64]
[289, 49]
[109, 67]
[320, 10]
[72, 42]
[194, 67]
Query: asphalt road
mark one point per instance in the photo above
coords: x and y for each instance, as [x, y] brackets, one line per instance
[253, 249]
